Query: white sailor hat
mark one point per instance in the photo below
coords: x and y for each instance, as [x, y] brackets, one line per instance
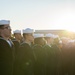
[4, 22]
[38, 35]
[17, 31]
[56, 36]
[28, 30]
[49, 35]
[71, 41]
[64, 38]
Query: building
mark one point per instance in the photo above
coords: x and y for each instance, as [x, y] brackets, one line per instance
[57, 32]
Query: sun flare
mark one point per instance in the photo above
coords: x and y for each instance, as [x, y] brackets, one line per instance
[71, 29]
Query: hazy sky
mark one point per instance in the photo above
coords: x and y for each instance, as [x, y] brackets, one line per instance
[39, 14]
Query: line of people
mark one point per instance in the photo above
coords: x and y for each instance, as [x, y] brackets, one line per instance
[34, 54]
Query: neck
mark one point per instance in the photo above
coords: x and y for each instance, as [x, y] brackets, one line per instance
[27, 41]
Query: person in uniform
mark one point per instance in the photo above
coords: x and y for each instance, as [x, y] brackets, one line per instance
[50, 55]
[17, 39]
[17, 35]
[7, 50]
[25, 57]
[58, 56]
[66, 52]
[39, 54]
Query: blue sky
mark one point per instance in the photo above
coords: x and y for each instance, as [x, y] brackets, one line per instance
[39, 14]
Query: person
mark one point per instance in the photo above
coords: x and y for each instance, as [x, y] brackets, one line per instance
[17, 35]
[50, 55]
[58, 57]
[17, 39]
[39, 54]
[67, 56]
[7, 50]
[25, 57]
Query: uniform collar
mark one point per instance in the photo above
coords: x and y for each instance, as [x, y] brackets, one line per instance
[49, 45]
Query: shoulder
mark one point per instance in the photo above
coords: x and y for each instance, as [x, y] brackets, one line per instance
[24, 44]
[2, 41]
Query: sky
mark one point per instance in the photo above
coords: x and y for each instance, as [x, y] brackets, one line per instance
[39, 14]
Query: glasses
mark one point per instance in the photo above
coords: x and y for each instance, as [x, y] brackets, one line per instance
[7, 27]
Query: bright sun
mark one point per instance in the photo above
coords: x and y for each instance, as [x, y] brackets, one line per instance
[67, 21]
[71, 29]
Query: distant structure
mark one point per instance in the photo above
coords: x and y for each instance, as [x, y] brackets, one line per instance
[57, 32]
